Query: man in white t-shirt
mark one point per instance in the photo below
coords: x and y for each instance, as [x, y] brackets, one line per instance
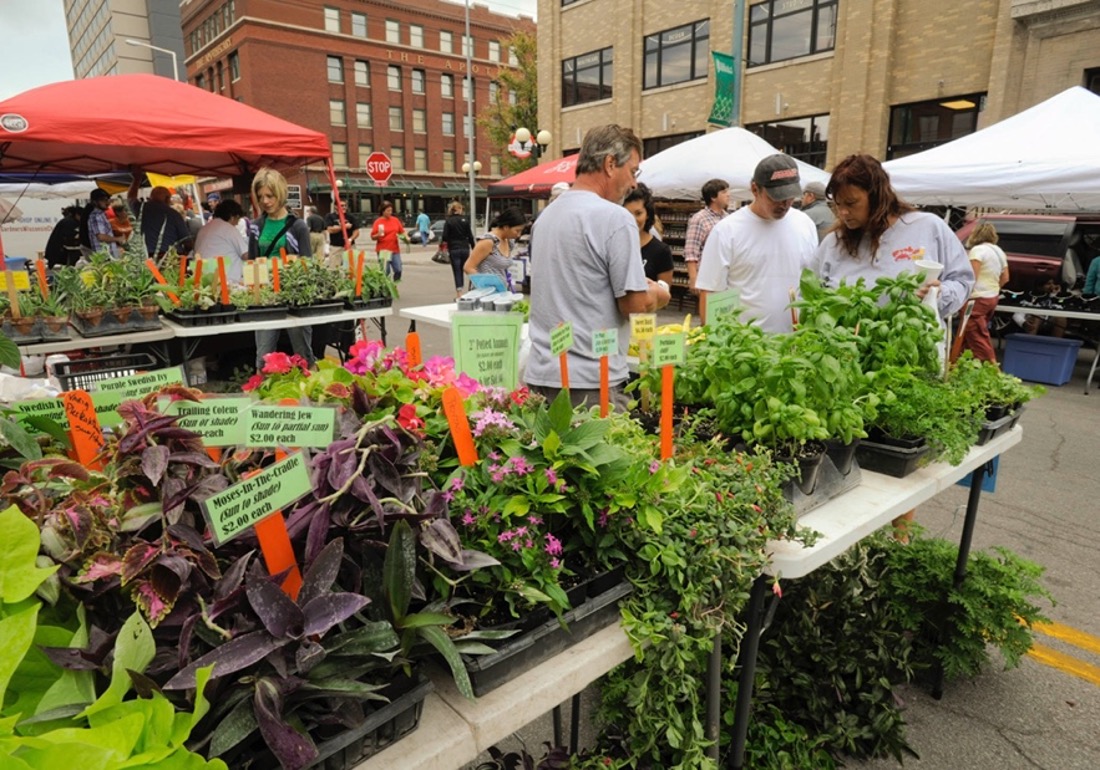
[760, 249]
[588, 270]
[220, 238]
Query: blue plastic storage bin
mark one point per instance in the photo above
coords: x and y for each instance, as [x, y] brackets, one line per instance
[1049, 360]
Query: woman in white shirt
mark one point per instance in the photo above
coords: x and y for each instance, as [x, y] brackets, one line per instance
[990, 267]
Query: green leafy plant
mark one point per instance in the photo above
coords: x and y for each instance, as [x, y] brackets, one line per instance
[987, 385]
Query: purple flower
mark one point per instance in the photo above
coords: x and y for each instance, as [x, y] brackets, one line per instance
[516, 545]
[468, 518]
[490, 418]
[551, 477]
[534, 520]
[529, 543]
[555, 563]
[604, 518]
[519, 531]
[458, 483]
[655, 466]
[521, 466]
[504, 536]
[449, 496]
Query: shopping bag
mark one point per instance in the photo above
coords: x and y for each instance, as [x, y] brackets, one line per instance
[441, 256]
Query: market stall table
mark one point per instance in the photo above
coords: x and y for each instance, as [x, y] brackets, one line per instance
[1077, 314]
[191, 335]
[78, 342]
[453, 730]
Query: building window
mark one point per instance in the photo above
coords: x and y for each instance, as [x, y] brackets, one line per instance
[234, 67]
[467, 126]
[494, 50]
[200, 82]
[786, 29]
[397, 119]
[494, 91]
[586, 78]
[393, 31]
[418, 81]
[447, 86]
[661, 143]
[416, 36]
[467, 46]
[449, 161]
[1092, 80]
[340, 154]
[494, 166]
[335, 69]
[467, 83]
[804, 138]
[420, 121]
[332, 19]
[221, 77]
[336, 113]
[359, 24]
[397, 158]
[512, 98]
[446, 41]
[393, 77]
[362, 73]
[677, 55]
[448, 124]
[564, 3]
[513, 60]
[364, 152]
[923, 125]
[420, 159]
[362, 114]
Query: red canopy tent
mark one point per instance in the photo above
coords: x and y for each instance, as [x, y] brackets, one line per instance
[121, 122]
[98, 125]
[536, 182]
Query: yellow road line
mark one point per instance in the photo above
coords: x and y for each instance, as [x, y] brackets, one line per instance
[1070, 635]
[1070, 665]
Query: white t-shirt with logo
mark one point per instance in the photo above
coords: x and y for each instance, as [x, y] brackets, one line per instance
[762, 259]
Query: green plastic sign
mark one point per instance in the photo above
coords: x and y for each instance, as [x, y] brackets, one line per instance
[138, 385]
[52, 408]
[561, 338]
[486, 347]
[291, 426]
[232, 511]
[219, 420]
[722, 302]
[668, 349]
[605, 342]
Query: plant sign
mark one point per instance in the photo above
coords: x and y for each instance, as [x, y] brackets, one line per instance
[722, 302]
[643, 326]
[486, 347]
[668, 349]
[108, 394]
[561, 338]
[605, 342]
[297, 426]
[220, 420]
[232, 511]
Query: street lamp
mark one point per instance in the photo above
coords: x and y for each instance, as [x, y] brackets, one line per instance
[169, 51]
[469, 170]
[535, 145]
[466, 167]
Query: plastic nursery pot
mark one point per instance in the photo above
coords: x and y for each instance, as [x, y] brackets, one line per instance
[842, 455]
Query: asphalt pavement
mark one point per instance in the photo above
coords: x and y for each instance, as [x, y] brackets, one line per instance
[1044, 715]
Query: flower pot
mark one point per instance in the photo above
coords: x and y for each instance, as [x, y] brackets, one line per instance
[996, 412]
[122, 314]
[91, 318]
[56, 324]
[878, 436]
[24, 325]
[842, 455]
[148, 312]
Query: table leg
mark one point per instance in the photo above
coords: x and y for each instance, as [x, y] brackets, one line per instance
[746, 659]
[574, 723]
[381, 324]
[714, 697]
[1092, 370]
[555, 717]
[976, 479]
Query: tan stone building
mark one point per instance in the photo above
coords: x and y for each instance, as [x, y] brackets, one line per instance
[822, 78]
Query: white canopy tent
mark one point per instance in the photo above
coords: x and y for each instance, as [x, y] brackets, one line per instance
[1046, 157]
[730, 154]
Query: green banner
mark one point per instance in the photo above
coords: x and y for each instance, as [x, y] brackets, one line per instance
[236, 508]
[486, 346]
[725, 70]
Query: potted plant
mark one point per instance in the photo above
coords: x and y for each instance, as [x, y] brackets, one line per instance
[261, 304]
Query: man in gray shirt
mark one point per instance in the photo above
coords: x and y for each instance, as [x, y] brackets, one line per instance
[817, 208]
[589, 269]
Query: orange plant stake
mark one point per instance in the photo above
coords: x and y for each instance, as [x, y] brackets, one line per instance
[455, 411]
[43, 286]
[183, 269]
[275, 275]
[198, 278]
[563, 361]
[412, 348]
[666, 412]
[160, 279]
[605, 386]
[223, 281]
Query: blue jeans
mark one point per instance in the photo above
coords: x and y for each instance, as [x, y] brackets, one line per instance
[458, 263]
[301, 340]
[394, 263]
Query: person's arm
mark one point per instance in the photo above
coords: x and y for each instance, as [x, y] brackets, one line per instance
[956, 282]
[483, 249]
[693, 249]
[1092, 278]
[975, 266]
[301, 234]
[374, 234]
[665, 265]
[651, 300]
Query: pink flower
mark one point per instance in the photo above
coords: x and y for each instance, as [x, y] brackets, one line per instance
[520, 466]
[276, 363]
[449, 496]
[555, 563]
[777, 590]
[553, 545]
[468, 518]
[604, 518]
[520, 531]
[407, 419]
[516, 545]
[551, 477]
[489, 418]
[363, 356]
[655, 466]
[457, 483]
[534, 520]
[504, 536]
[254, 382]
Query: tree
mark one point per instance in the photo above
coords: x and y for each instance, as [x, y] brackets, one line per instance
[502, 117]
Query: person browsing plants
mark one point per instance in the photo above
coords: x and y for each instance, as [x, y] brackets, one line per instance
[384, 233]
[278, 229]
[493, 253]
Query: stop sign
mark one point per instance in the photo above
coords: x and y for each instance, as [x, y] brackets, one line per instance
[379, 167]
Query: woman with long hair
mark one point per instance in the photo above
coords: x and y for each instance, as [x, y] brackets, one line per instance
[656, 255]
[990, 266]
[458, 240]
[492, 254]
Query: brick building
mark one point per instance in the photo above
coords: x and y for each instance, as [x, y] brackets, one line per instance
[371, 74]
[823, 78]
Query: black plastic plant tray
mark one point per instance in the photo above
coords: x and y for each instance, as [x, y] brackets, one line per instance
[993, 428]
[523, 652]
[323, 308]
[271, 313]
[202, 317]
[890, 460]
[380, 302]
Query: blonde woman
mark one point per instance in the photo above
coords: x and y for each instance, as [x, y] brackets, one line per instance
[990, 266]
